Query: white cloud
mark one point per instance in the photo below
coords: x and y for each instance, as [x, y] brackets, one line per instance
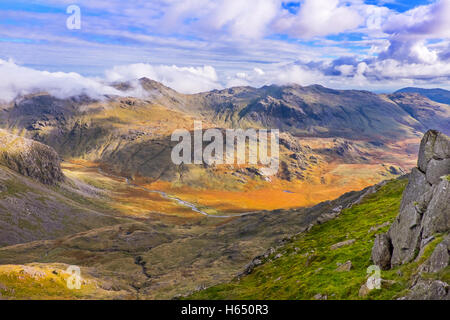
[236, 18]
[234, 41]
[182, 79]
[259, 71]
[17, 80]
[410, 31]
[376, 75]
[319, 18]
[425, 21]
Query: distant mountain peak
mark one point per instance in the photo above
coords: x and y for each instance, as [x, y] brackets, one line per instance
[436, 94]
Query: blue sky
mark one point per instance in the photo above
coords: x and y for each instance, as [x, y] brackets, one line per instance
[198, 45]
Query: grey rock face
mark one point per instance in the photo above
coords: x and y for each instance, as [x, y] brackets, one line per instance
[440, 258]
[381, 252]
[30, 158]
[417, 186]
[429, 290]
[441, 149]
[425, 207]
[405, 230]
[426, 149]
[434, 145]
[436, 169]
[437, 215]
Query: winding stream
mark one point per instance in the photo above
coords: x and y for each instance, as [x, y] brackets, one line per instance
[192, 206]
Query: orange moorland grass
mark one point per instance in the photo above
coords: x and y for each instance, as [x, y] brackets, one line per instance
[127, 199]
[326, 182]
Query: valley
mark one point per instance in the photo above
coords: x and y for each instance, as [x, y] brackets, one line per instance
[110, 200]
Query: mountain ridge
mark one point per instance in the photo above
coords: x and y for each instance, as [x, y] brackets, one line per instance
[436, 94]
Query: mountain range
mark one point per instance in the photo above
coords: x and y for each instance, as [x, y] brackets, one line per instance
[91, 183]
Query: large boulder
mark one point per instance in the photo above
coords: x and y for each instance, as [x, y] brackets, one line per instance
[434, 145]
[382, 251]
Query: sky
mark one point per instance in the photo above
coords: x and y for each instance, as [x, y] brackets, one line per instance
[200, 45]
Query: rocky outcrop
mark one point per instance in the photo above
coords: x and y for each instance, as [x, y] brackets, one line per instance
[425, 207]
[439, 260]
[429, 290]
[30, 158]
[424, 212]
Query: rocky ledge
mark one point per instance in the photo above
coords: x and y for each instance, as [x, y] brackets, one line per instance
[424, 213]
[30, 158]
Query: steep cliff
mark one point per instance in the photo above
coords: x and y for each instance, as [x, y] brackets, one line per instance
[30, 158]
[424, 215]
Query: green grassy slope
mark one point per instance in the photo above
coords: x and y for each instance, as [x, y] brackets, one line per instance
[308, 266]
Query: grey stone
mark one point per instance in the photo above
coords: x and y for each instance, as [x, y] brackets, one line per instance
[437, 169]
[345, 267]
[429, 290]
[320, 296]
[417, 185]
[441, 149]
[342, 244]
[437, 215]
[30, 158]
[405, 235]
[434, 145]
[364, 290]
[425, 206]
[426, 149]
[440, 257]
[382, 251]
[378, 227]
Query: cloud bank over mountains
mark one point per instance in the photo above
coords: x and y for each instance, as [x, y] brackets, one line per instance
[18, 80]
[200, 45]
